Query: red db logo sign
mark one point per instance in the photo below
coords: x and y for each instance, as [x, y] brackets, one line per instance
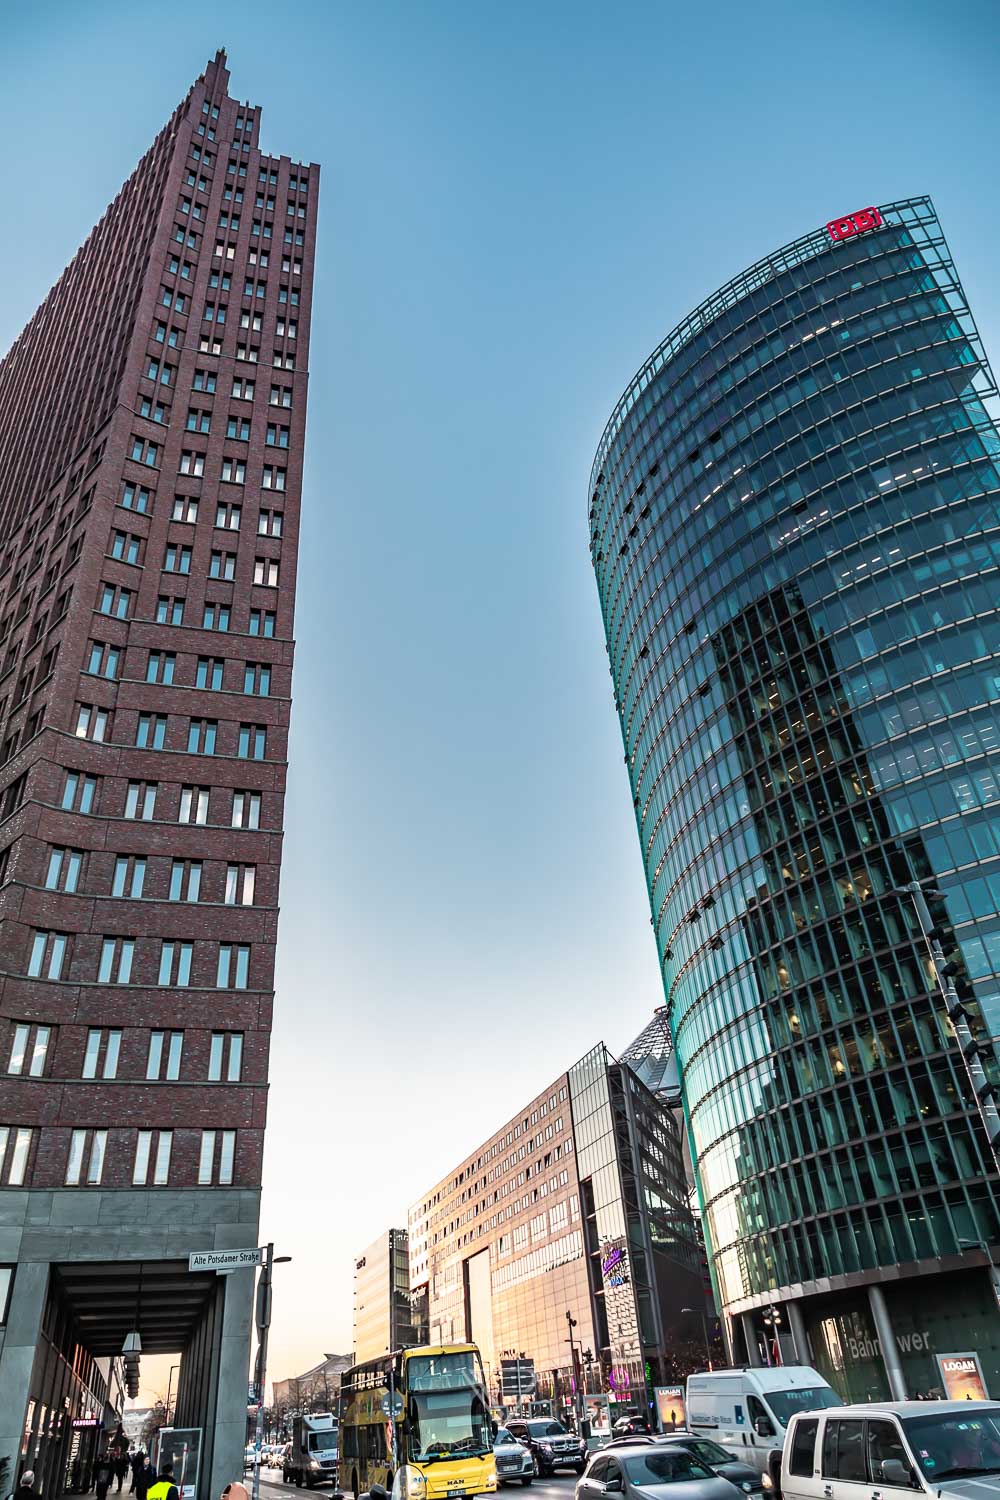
[856, 223]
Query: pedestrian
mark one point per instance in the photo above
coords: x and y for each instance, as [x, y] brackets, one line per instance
[121, 1468]
[144, 1478]
[103, 1475]
[26, 1489]
[136, 1463]
[163, 1486]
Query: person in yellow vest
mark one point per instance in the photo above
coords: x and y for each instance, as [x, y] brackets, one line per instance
[163, 1486]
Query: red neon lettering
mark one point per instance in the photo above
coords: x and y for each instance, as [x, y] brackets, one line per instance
[856, 223]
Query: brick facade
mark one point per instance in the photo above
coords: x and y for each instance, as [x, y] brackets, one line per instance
[91, 544]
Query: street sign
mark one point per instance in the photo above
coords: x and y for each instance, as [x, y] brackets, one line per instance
[397, 1406]
[224, 1260]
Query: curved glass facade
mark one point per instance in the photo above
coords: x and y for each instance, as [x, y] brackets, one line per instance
[795, 529]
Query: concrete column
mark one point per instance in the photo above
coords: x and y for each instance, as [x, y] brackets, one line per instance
[887, 1343]
[23, 1334]
[750, 1339]
[233, 1343]
[797, 1328]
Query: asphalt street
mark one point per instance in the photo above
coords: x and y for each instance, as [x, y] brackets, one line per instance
[559, 1487]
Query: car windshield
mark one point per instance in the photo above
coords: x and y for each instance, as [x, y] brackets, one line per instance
[546, 1429]
[709, 1453]
[321, 1442]
[670, 1467]
[448, 1424]
[954, 1445]
[503, 1436]
[785, 1404]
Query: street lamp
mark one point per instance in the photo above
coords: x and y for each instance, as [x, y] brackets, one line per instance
[263, 1324]
[944, 974]
[698, 1312]
[772, 1320]
[170, 1381]
[578, 1394]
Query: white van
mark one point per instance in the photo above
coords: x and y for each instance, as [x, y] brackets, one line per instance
[898, 1450]
[747, 1411]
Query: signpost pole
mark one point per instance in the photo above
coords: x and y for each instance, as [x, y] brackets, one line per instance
[263, 1324]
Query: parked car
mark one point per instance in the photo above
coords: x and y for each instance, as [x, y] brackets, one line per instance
[550, 1445]
[513, 1459]
[948, 1449]
[631, 1423]
[653, 1471]
[743, 1475]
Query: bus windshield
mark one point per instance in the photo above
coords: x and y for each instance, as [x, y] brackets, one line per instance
[447, 1424]
[443, 1372]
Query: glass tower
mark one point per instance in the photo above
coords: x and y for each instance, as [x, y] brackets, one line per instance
[795, 529]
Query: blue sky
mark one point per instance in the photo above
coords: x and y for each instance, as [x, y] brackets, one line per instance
[518, 201]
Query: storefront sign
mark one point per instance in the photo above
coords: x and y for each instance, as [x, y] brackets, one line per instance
[224, 1260]
[87, 1422]
[670, 1407]
[962, 1377]
[856, 223]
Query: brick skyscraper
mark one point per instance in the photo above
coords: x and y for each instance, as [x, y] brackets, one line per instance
[152, 419]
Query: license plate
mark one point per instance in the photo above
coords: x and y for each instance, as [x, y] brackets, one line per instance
[459, 1491]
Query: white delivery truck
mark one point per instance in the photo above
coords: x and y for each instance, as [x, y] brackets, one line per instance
[313, 1452]
[748, 1411]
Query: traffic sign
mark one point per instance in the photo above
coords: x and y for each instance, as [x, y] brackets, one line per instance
[397, 1406]
[224, 1260]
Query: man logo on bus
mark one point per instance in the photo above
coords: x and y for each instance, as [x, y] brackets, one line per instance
[856, 223]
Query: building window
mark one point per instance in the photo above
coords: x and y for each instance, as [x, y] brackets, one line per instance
[209, 673]
[115, 965]
[192, 462]
[15, 1145]
[169, 611]
[111, 1042]
[273, 479]
[227, 517]
[202, 736]
[78, 1152]
[215, 617]
[91, 722]
[79, 792]
[175, 963]
[261, 622]
[204, 380]
[129, 876]
[63, 873]
[215, 1162]
[234, 471]
[48, 955]
[164, 1059]
[198, 421]
[252, 742]
[152, 1147]
[185, 509]
[151, 731]
[222, 565]
[265, 571]
[177, 559]
[246, 810]
[160, 667]
[234, 966]
[243, 390]
[115, 602]
[137, 497]
[103, 660]
[239, 428]
[125, 547]
[269, 522]
[240, 882]
[185, 880]
[28, 1050]
[257, 679]
[193, 805]
[140, 800]
[219, 1065]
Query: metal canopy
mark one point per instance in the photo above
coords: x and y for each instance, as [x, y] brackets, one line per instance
[103, 1297]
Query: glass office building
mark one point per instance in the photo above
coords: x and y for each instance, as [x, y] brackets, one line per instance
[795, 529]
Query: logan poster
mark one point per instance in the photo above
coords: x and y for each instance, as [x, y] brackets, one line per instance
[962, 1378]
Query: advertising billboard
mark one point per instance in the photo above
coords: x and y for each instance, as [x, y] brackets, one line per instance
[670, 1407]
[962, 1377]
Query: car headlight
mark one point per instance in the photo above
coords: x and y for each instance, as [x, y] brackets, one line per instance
[413, 1483]
[545, 1447]
[314, 1463]
[767, 1481]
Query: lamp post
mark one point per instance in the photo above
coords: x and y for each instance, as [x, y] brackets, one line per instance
[263, 1324]
[698, 1312]
[170, 1381]
[944, 974]
[772, 1320]
[577, 1394]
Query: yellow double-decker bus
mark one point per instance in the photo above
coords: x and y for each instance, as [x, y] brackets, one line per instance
[418, 1423]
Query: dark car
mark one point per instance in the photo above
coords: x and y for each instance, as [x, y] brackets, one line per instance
[551, 1446]
[744, 1476]
[631, 1423]
[652, 1471]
